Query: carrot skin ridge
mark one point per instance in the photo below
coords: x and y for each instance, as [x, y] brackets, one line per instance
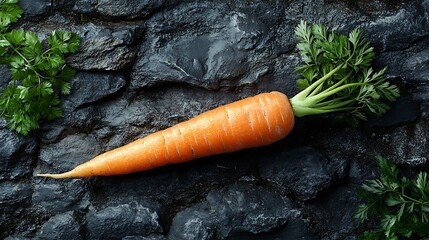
[251, 122]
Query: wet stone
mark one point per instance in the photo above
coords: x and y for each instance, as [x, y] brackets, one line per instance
[223, 52]
[35, 8]
[69, 152]
[332, 216]
[398, 30]
[5, 76]
[61, 226]
[416, 67]
[301, 172]
[122, 220]
[150, 237]
[13, 198]
[238, 208]
[104, 48]
[55, 197]
[128, 9]
[89, 87]
[403, 144]
[403, 110]
[16, 153]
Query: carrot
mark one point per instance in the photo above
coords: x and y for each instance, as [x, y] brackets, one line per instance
[251, 122]
[336, 79]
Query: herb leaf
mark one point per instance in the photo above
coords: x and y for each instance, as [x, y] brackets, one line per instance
[402, 203]
[39, 75]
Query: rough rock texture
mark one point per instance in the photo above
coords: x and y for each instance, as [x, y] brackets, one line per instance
[146, 65]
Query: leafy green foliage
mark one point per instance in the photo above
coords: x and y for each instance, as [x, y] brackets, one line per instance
[10, 12]
[337, 75]
[39, 73]
[401, 204]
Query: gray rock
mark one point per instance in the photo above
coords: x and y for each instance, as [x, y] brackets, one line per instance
[399, 29]
[17, 153]
[406, 144]
[422, 94]
[61, 226]
[124, 9]
[89, 87]
[195, 223]
[415, 67]
[35, 8]
[16, 238]
[69, 152]
[18, 217]
[5, 76]
[122, 220]
[239, 208]
[295, 228]
[332, 216]
[301, 172]
[59, 198]
[150, 237]
[15, 197]
[403, 110]
[104, 48]
[224, 52]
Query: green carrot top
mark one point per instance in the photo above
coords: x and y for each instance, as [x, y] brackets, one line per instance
[337, 75]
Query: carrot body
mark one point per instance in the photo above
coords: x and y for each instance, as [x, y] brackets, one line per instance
[251, 122]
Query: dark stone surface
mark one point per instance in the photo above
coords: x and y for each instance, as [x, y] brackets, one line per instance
[123, 9]
[5, 76]
[332, 215]
[238, 208]
[104, 47]
[147, 65]
[301, 173]
[91, 86]
[35, 8]
[56, 197]
[116, 222]
[17, 153]
[61, 226]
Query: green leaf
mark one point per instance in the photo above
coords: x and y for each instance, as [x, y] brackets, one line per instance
[401, 203]
[392, 201]
[63, 42]
[362, 212]
[4, 43]
[55, 112]
[45, 89]
[67, 73]
[16, 37]
[337, 67]
[387, 223]
[10, 12]
[16, 62]
[23, 92]
[56, 61]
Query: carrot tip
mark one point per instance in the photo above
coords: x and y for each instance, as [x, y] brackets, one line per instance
[49, 175]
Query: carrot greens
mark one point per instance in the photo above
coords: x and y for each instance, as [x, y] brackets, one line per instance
[337, 75]
[400, 204]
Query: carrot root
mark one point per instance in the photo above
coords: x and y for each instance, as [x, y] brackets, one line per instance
[252, 122]
[57, 175]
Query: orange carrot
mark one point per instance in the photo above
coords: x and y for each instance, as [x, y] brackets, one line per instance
[344, 85]
[251, 122]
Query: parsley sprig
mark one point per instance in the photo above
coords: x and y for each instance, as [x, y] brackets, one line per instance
[39, 71]
[337, 75]
[401, 204]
